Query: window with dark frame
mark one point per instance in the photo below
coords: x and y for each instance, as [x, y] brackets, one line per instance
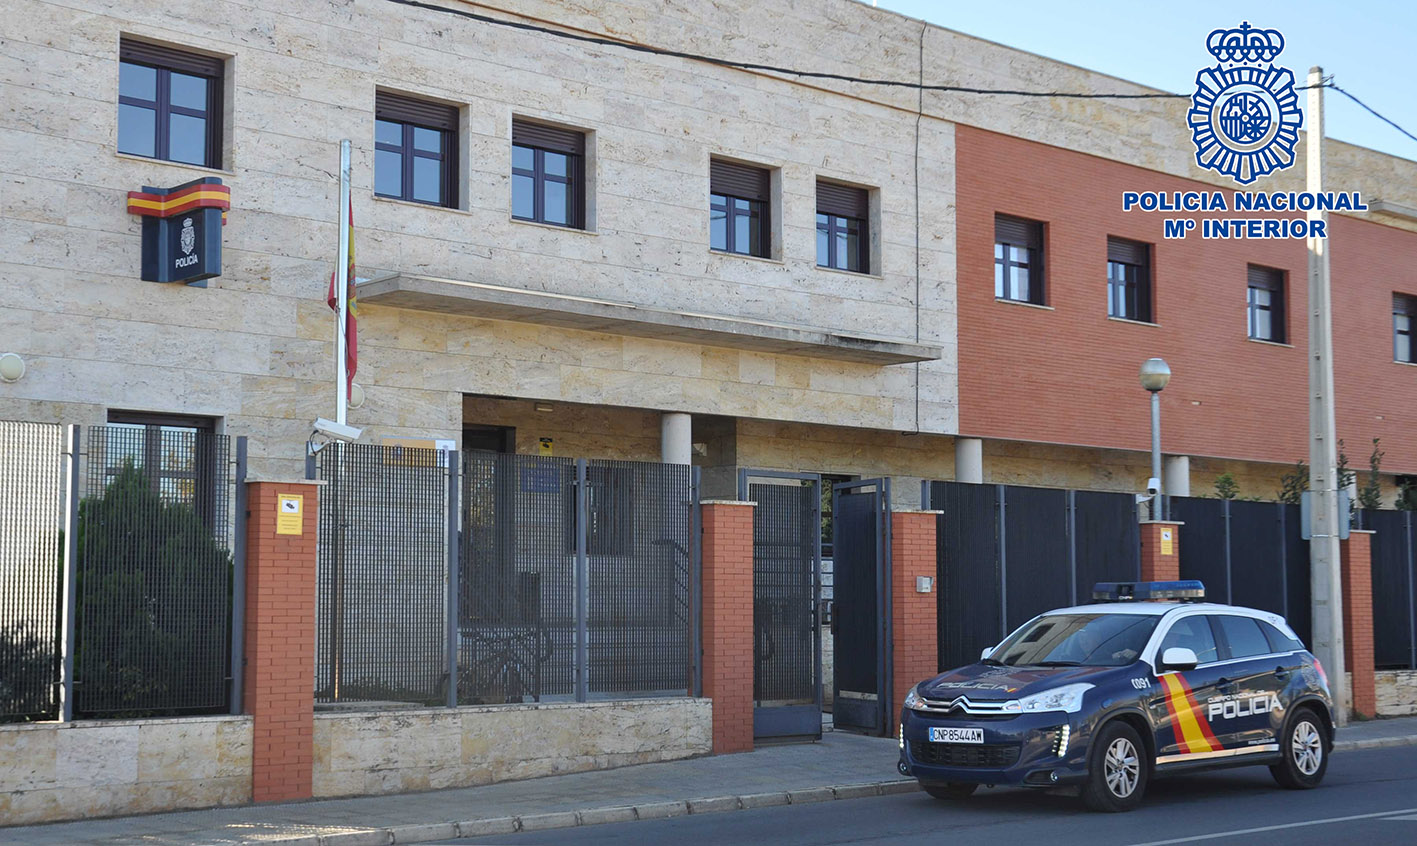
[176, 453]
[1266, 304]
[1404, 313]
[739, 208]
[1018, 259]
[548, 174]
[1129, 280]
[843, 234]
[415, 150]
[169, 104]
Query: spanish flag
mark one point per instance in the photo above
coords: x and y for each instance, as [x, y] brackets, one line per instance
[351, 349]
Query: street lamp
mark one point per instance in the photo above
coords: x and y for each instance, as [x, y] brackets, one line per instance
[1154, 376]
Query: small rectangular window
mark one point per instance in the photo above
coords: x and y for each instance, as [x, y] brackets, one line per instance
[548, 174]
[1129, 280]
[739, 208]
[1018, 259]
[178, 456]
[169, 104]
[415, 150]
[843, 232]
[1404, 313]
[1266, 304]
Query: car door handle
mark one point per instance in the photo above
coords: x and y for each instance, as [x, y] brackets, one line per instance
[1281, 674]
[1225, 686]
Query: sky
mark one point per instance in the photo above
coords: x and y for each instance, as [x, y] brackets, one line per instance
[1369, 47]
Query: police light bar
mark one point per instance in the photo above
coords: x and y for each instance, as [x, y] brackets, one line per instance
[1128, 591]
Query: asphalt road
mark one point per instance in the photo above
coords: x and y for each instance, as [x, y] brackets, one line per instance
[1368, 799]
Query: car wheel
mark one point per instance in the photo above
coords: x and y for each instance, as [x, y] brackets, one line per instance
[1305, 752]
[951, 790]
[1117, 774]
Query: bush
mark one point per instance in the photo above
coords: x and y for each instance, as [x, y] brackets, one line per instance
[28, 671]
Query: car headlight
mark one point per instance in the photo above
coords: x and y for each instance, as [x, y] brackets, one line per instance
[913, 700]
[1067, 698]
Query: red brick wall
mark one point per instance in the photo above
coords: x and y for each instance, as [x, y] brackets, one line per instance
[1356, 557]
[728, 623]
[914, 636]
[1156, 564]
[1072, 373]
[280, 644]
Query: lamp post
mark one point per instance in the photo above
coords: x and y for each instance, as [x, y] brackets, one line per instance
[1154, 376]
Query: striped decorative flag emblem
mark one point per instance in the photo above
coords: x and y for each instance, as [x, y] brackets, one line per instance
[1193, 732]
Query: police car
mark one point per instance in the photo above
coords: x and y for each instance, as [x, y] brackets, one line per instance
[1107, 696]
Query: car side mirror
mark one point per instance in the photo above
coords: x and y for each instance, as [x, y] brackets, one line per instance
[986, 652]
[1179, 658]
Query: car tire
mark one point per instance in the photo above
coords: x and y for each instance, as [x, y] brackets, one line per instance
[954, 791]
[1118, 771]
[1304, 747]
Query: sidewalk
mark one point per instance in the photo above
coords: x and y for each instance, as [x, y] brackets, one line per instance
[842, 766]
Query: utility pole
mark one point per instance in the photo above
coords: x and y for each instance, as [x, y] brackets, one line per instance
[1325, 577]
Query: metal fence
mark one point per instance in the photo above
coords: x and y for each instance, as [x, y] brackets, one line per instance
[155, 573]
[31, 568]
[570, 579]
[1006, 553]
[1247, 553]
[1394, 562]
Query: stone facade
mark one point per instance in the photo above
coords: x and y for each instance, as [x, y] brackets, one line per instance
[1397, 693]
[57, 771]
[427, 749]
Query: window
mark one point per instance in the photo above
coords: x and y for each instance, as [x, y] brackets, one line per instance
[1191, 633]
[1089, 640]
[1279, 641]
[548, 175]
[177, 455]
[1266, 304]
[1404, 311]
[739, 208]
[1018, 259]
[169, 104]
[1243, 636]
[415, 150]
[843, 236]
[1128, 279]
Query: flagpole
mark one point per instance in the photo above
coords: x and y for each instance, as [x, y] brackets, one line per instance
[342, 290]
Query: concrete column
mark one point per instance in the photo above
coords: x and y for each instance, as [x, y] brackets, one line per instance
[969, 460]
[676, 438]
[280, 639]
[728, 622]
[1160, 551]
[1356, 556]
[914, 637]
[1176, 475]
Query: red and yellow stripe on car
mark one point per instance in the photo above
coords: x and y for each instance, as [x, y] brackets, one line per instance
[1193, 732]
[193, 197]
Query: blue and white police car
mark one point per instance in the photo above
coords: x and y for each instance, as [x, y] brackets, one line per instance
[1106, 696]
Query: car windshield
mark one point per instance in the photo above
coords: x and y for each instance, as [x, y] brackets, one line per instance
[1082, 640]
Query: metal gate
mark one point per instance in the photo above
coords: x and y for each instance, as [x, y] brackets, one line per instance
[861, 608]
[787, 646]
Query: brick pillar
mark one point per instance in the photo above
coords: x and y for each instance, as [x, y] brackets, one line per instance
[1160, 551]
[280, 641]
[728, 622]
[1355, 555]
[914, 636]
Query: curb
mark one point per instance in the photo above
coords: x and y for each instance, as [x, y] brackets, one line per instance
[425, 832]
[1376, 743]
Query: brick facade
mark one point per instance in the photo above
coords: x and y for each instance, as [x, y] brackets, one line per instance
[1158, 563]
[914, 635]
[280, 643]
[1356, 557]
[728, 623]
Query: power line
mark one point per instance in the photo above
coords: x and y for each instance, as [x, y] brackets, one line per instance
[1372, 111]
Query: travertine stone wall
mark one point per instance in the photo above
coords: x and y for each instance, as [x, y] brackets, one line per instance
[1397, 693]
[58, 771]
[427, 749]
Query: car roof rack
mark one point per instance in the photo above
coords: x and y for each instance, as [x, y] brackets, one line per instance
[1185, 590]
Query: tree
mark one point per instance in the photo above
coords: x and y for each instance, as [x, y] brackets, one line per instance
[1370, 496]
[1292, 485]
[1226, 486]
[27, 672]
[1346, 477]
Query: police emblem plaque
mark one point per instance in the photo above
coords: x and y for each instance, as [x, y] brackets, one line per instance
[1245, 115]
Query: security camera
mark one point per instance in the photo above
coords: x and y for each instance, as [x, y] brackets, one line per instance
[337, 431]
[1153, 486]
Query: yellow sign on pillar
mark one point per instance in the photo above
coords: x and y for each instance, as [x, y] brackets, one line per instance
[547, 446]
[290, 514]
[1168, 546]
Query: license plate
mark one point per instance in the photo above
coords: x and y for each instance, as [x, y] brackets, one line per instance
[945, 734]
